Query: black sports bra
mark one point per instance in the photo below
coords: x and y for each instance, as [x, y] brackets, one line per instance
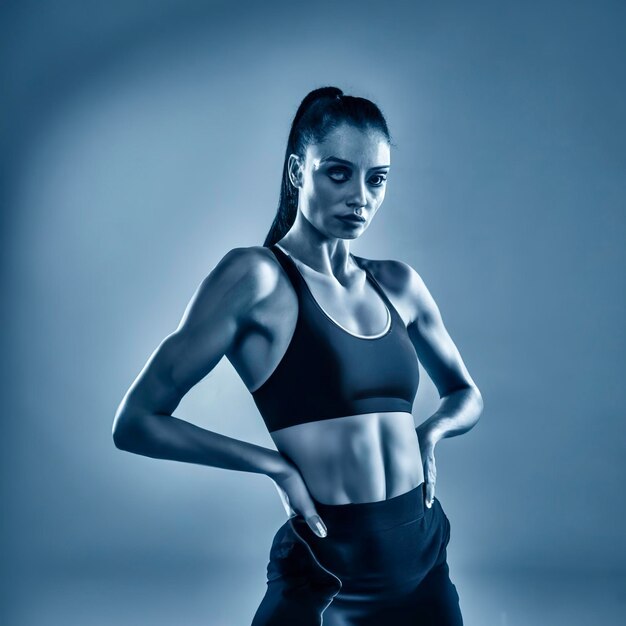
[329, 372]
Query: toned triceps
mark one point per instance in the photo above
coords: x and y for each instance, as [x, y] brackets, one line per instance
[205, 333]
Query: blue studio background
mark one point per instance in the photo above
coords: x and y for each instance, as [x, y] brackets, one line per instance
[141, 140]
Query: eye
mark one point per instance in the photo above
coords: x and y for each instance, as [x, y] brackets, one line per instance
[382, 178]
[338, 172]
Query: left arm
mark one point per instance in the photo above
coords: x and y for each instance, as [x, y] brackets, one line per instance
[461, 401]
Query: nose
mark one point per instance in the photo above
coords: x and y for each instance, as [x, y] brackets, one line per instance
[358, 193]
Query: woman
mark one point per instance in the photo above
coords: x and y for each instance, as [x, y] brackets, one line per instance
[328, 345]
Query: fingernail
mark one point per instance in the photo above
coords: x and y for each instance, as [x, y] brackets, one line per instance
[321, 530]
[429, 504]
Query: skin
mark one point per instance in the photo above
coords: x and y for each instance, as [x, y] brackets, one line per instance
[246, 309]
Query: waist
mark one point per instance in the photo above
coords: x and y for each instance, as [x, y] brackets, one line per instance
[357, 458]
[376, 515]
[379, 549]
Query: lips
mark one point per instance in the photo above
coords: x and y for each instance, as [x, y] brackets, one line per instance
[351, 217]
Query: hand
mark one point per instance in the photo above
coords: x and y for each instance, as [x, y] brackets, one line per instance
[296, 498]
[427, 450]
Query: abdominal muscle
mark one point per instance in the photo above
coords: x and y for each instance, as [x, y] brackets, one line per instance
[356, 458]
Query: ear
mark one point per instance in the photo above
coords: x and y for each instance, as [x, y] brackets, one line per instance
[294, 169]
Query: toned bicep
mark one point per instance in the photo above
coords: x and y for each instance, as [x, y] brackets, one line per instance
[435, 348]
[205, 333]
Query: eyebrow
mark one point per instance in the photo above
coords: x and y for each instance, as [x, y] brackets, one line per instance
[338, 160]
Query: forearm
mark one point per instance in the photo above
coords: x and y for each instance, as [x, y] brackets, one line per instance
[168, 437]
[458, 412]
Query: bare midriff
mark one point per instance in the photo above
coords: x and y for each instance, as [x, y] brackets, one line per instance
[355, 458]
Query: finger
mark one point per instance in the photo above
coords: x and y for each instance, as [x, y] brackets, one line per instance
[317, 526]
[286, 504]
[430, 494]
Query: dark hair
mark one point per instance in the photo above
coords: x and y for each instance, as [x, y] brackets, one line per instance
[321, 111]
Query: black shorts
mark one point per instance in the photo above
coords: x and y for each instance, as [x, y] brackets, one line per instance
[382, 563]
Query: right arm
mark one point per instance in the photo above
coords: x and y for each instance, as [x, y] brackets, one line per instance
[144, 423]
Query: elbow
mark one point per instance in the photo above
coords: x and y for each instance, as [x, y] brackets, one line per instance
[478, 397]
[119, 439]
[471, 397]
[478, 401]
[124, 427]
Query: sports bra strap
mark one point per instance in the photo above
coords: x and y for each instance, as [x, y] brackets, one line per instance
[288, 265]
[376, 284]
[295, 276]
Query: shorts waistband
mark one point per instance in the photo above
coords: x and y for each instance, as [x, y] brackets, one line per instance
[377, 515]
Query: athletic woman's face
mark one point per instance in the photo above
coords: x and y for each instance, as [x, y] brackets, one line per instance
[344, 175]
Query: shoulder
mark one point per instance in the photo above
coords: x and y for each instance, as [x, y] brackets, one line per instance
[254, 267]
[241, 278]
[245, 262]
[402, 281]
[250, 266]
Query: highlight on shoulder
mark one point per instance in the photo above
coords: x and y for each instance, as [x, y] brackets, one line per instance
[247, 274]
